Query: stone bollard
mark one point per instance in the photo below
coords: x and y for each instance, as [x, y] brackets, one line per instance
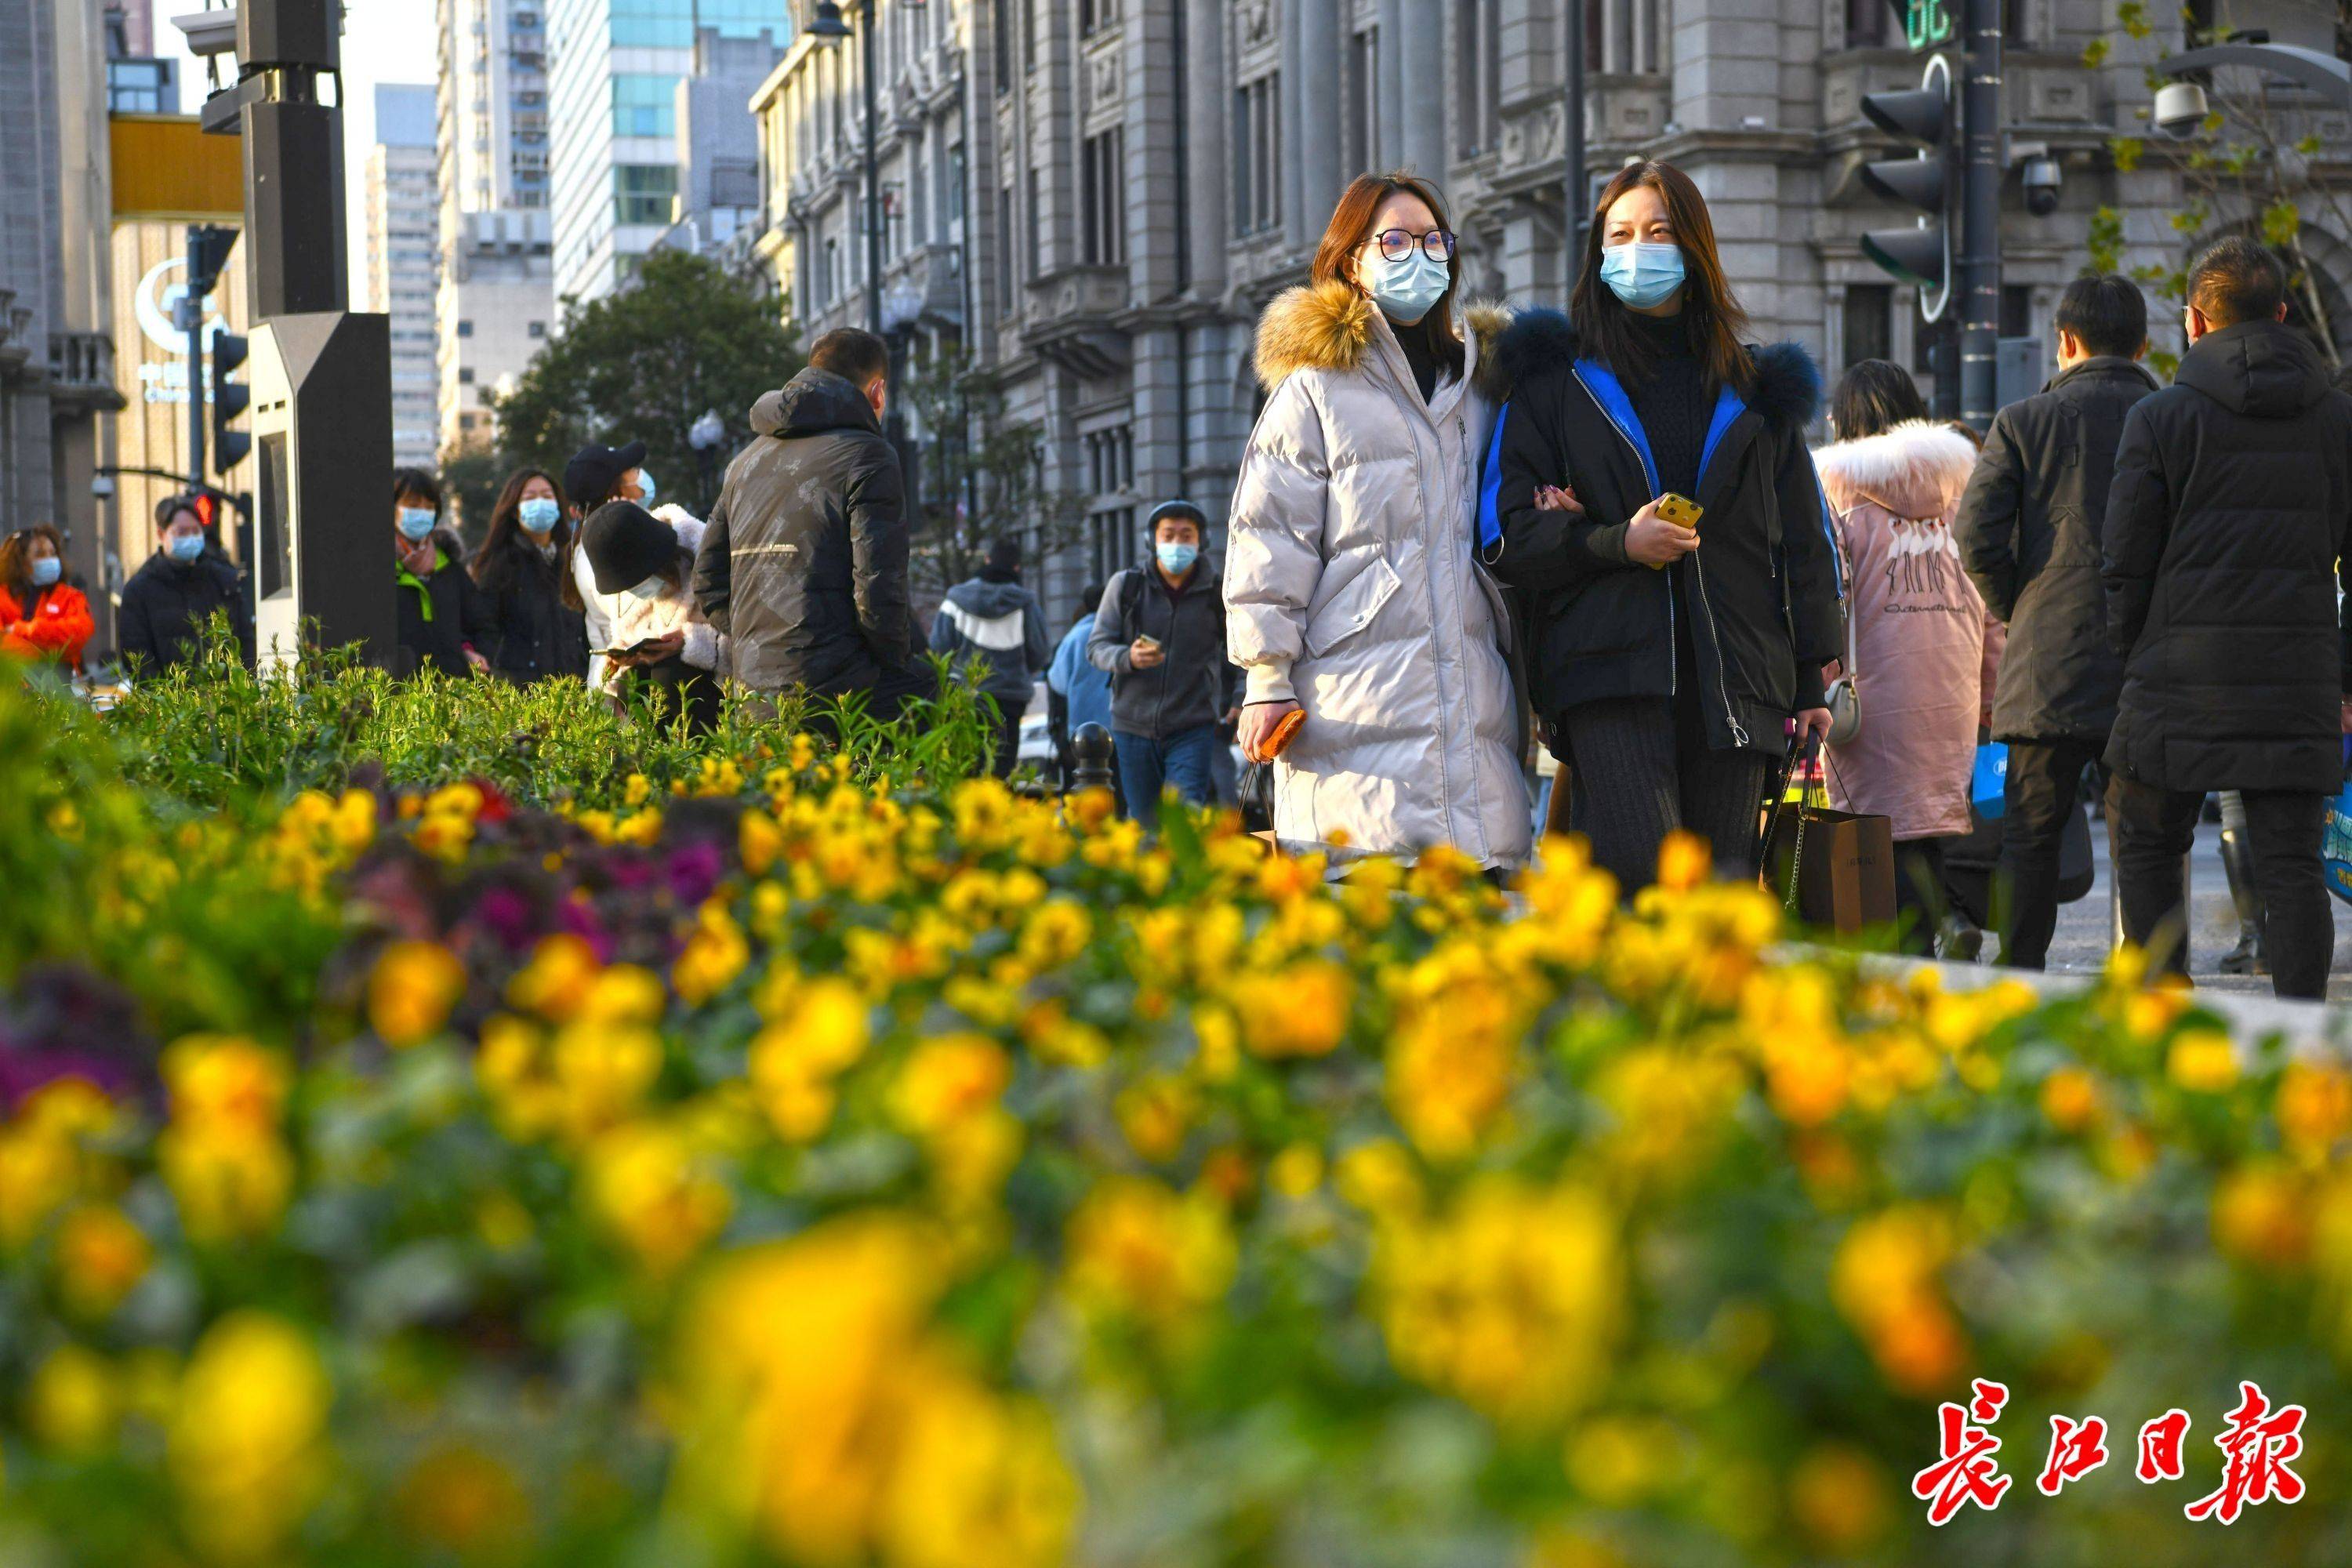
[1091, 748]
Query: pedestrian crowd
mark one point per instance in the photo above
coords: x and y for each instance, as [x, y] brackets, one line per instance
[1461, 535]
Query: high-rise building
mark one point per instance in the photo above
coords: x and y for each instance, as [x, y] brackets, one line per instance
[496, 299]
[716, 211]
[404, 216]
[615, 165]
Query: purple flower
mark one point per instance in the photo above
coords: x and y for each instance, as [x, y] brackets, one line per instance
[693, 872]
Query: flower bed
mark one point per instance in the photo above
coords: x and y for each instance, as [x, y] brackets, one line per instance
[785, 1158]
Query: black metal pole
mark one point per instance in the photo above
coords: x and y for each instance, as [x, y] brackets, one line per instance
[873, 182]
[192, 313]
[1580, 196]
[1981, 213]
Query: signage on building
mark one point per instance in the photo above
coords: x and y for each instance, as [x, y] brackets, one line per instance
[155, 305]
[151, 269]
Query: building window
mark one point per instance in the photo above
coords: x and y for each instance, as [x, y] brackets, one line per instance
[464, 329]
[643, 193]
[1104, 166]
[1003, 47]
[645, 105]
[536, 330]
[1869, 321]
[955, 184]
[1095, 15]
[1257, 156]
[1028, 35]
[1363, 127]
[1477, 64]
[1035, 216]
[1866, 22]
[465, 375]
[1007, 283]
[833, 279]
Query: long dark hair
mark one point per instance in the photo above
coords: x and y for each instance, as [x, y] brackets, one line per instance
[1712, 318]
[507, 535]
[1872, 396]
[1351, 225]
[16, 561]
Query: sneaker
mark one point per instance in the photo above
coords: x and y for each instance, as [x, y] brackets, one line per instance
[1961, 942]
[2247, 957]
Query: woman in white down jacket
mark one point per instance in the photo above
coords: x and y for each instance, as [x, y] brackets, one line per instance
[1352, 586]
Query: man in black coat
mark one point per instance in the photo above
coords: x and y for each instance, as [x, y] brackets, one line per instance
[2029, 532]
[805, 561]
[171, 597]
[2225, 535]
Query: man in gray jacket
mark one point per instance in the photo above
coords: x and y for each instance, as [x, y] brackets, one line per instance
[994, 620]
[1160, 633]
[803, 563]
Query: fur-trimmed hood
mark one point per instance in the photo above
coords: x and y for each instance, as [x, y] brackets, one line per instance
[1916, 468]
[1327, 326]
[1788, 391]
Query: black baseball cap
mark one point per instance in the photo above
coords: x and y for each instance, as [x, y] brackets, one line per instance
[594, 470]
[626, 544]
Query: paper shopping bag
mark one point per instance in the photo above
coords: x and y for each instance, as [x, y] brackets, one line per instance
[1834, 870]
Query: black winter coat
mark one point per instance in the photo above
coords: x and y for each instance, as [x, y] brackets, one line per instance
[805, 561]
[2029, 531]
[460, 616]
[165, 606]
[1597, 626]
[538, 636]
[2225, 539]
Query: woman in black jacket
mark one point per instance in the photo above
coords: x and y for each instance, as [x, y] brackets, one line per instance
[520, 569]
[1668, 674]
[171, 597]
[445, 622]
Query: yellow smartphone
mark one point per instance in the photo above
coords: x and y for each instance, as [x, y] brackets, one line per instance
[1680, 511]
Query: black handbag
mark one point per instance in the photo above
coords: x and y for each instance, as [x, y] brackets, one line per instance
[1257, 791]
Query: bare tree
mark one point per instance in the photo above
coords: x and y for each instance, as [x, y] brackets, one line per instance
[982, 475]
[2255, 163]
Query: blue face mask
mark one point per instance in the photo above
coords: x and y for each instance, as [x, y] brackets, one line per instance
[646, 483]
[185, 547]
[415, 523]
[538, 514]
[1177, 559]
[1643, 274]
[1405, 290]
[47, 570]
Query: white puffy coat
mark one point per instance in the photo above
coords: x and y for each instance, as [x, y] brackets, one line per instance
[1353, 584]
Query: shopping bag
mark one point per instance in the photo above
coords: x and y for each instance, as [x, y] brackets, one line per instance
[2335, 844]
[1833, 869]
[1988, 789]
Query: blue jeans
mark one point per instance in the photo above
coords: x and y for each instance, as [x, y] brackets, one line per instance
[1178, 762]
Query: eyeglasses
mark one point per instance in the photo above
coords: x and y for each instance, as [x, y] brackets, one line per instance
[1396, 243]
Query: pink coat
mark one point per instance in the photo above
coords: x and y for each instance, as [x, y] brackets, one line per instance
[1923, 650]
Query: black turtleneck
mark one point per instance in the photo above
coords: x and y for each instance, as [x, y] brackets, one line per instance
[1415, 341]
[1673, 403]
[1673, 400]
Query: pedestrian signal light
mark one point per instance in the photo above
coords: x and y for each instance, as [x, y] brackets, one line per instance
[1920, 254]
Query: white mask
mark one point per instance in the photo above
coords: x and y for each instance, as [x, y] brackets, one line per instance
[651, 588]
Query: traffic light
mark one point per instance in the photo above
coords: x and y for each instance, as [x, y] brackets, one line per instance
[208, 249]
[1927, 182]
[228, 400]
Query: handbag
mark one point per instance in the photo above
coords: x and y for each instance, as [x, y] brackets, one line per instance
[2335, 840]
[1256, 788]
[1832, 868]
[1989, 784]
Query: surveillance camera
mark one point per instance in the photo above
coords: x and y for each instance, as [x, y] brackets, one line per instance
[2180, 109]
[2041, 178]
[101, 486]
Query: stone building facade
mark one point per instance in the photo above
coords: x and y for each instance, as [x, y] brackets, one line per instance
[1141, 176]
